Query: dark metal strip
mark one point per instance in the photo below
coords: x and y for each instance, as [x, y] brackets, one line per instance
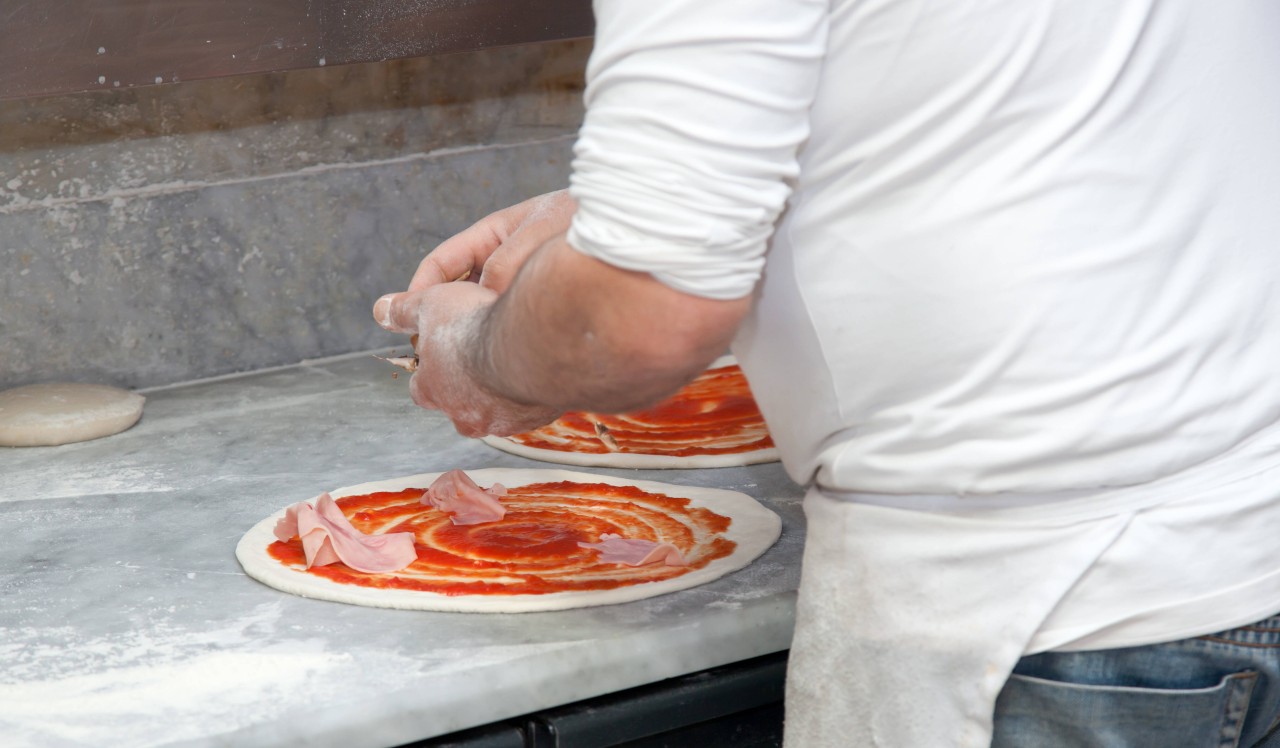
[63, 46]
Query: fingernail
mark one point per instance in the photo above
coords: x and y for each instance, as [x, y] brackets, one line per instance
[382, 310]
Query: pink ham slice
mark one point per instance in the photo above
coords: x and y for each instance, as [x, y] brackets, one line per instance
[455, 493]
[328, 537]
[615, 549]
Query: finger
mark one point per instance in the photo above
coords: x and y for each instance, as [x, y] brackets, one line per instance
[501, 269]
[470, 250]
[418, 393]
[398, 312]
[467, 429]
[454, 260]
[462, 254]
[547, 219]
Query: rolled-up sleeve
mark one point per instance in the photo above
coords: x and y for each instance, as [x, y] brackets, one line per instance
[695, 112]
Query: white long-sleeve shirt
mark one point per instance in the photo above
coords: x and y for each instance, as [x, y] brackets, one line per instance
[1029, 263]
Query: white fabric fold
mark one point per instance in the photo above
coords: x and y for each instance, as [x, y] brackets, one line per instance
[909, 623]
[695, 113]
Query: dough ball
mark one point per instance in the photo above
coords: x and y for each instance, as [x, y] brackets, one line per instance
[40, 415]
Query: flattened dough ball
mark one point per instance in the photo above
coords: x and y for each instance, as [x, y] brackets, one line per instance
[43, 415]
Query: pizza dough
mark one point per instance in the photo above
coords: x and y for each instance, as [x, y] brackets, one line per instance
[754, 529]
[41, 415]
[565, 432]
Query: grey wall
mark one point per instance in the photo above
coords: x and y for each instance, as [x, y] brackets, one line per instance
[169, 233]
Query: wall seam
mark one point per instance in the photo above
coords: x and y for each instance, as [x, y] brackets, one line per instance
[23, 205]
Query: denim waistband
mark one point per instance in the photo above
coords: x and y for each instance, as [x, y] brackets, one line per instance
[1264, 633]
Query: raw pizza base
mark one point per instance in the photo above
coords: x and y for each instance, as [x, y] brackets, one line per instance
[754, 528]
[634, 460]
[48, 415]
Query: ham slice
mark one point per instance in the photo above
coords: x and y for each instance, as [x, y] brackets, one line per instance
[615, 549]
[454, 492]
[328, 537]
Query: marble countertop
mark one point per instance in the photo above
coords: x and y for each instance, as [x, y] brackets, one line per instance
[126, 620]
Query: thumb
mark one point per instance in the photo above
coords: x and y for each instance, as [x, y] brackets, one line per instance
[398, 312]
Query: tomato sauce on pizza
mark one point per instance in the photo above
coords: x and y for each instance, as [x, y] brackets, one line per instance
[534, 549]
[714, 414]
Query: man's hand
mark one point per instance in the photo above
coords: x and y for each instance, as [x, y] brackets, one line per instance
[452, 359]
[567, 332]
[446, 315]
[493, 248]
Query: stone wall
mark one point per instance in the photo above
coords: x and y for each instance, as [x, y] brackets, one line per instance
[168, 233]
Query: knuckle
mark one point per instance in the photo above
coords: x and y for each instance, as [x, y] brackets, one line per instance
[418, 392]
[496, 276]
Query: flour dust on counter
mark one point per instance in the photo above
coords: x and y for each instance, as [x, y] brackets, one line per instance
[157, 684]
[555, 546]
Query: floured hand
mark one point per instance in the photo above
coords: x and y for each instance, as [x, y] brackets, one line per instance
[495, 247]
[453, 358]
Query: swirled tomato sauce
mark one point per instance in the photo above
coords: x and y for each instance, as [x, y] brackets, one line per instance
[534, 549]
[713, 414]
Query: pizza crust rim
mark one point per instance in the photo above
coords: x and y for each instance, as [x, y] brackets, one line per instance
[755, 528]
[638, 461]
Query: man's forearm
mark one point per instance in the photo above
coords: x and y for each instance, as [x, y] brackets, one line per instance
[575, 333]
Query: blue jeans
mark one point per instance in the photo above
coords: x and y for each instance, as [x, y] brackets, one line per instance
[1221, 690]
